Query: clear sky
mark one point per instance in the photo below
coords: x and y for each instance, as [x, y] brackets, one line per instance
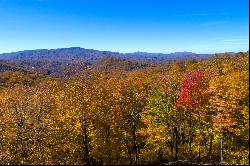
[201, 26]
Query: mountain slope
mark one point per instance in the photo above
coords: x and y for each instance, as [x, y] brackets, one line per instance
[90, 56]
[8, 66]
[111, 63]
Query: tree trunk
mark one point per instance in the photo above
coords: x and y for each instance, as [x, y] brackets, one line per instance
[39, 138]
[108, 144]
[135, 144]
[221, 147]
[203, 143]
[85, 142]
[19, 138]
[128, 151]
[210, 144]
[171, 142]
[199, 156]
[176, 143]
[190, 135]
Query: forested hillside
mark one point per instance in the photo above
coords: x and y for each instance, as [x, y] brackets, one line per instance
[112, 63]
[67, 68]
[8, 66]
[119, 111]
[54, 68]
[91, 56]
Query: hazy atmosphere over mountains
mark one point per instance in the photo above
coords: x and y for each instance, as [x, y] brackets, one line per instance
[91, 56]
[54, 61]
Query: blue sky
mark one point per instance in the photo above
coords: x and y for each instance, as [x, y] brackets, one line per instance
[201, 26]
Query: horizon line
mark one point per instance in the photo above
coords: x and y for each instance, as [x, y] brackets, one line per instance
[118, 51]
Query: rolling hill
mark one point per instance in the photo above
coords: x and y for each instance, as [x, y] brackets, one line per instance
[90, 56]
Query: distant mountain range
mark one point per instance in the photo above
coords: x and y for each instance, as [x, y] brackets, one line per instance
[90, 56]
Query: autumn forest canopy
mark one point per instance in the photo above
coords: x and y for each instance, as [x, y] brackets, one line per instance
[124, 111]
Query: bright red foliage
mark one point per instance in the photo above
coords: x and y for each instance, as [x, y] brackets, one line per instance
[192, 88]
